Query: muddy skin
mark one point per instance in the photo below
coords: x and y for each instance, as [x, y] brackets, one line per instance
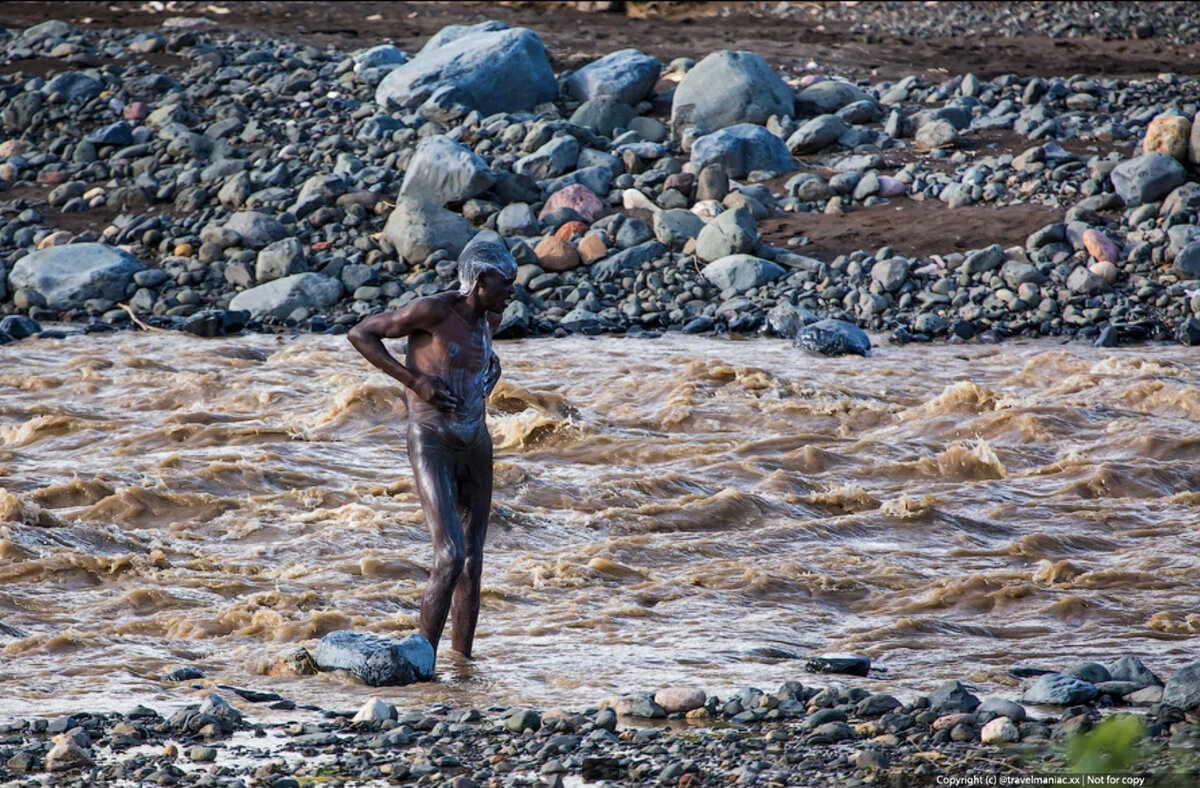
[449, 370]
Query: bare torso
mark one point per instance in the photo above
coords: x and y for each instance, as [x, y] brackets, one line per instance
[458, 352]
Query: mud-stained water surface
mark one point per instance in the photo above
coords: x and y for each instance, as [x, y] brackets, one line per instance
[675, 510]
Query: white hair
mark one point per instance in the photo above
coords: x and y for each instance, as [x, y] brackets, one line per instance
[479, 256]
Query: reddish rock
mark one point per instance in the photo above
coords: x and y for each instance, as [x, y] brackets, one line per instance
[570, 229]
[685, 182]
[578, 198]
[135, 110]
[591, 249]
[1100, 246]
[53, 177]
[555, 254]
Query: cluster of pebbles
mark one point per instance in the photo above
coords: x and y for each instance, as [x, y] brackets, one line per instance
[798, 735]
[214, 181]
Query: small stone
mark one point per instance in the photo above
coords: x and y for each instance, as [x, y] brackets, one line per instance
[66, 754]
[680, 699]
[999, 731]
[591, 248]
[519, 720]
[578, 198]
[936, 134]
[1168, 134]
[555, 254]
[1100, 246]
[374, 710]
[202, 754]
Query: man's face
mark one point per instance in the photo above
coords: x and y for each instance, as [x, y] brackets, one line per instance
[494, 289]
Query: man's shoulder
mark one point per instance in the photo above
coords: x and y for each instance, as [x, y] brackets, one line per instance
[434, 306]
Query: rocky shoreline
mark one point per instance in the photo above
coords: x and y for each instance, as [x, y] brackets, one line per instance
[189, 178]
[831, 735]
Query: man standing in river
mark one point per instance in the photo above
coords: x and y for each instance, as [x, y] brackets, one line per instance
[449, 371]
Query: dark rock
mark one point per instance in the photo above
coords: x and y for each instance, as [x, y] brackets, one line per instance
[951, 697]
[216, 322]
[833, 338]
[19, 326]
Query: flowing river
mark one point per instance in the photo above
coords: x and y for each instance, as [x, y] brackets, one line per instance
[678, 510]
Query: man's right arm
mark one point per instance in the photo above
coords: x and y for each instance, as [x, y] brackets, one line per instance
[424, 314]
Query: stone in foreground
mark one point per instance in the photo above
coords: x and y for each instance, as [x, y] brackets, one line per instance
[67, 276]
[1183, 688]
[376, 659]
[834, 338]
[845, 664]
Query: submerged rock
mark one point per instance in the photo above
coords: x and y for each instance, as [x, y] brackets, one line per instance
[845, 664]
[833, 338]
[377, 660]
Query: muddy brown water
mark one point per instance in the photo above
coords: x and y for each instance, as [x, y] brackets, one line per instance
[667, 511]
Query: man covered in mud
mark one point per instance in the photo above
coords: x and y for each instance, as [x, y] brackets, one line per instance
[449, 371]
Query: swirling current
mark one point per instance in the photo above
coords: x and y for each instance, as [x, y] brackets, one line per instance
[677, 510]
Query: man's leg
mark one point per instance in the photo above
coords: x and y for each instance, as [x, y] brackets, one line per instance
[432, 471]
[475, 504]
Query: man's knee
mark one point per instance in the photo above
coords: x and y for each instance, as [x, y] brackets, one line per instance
[449, 560]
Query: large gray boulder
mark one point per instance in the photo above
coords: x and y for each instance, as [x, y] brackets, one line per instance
[727, 88]
[498, 71]
[1059, 689]
[451, 33]
[376, 659]
[67, 276]
[1183, 688]
[742, 149]
[741, 272]
[1147, 178]
[833, 338]
[444, 171]
[828, 97]
[627, 75]
[282, 297]
[732, 232]
[417, 228]
[630, 259]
